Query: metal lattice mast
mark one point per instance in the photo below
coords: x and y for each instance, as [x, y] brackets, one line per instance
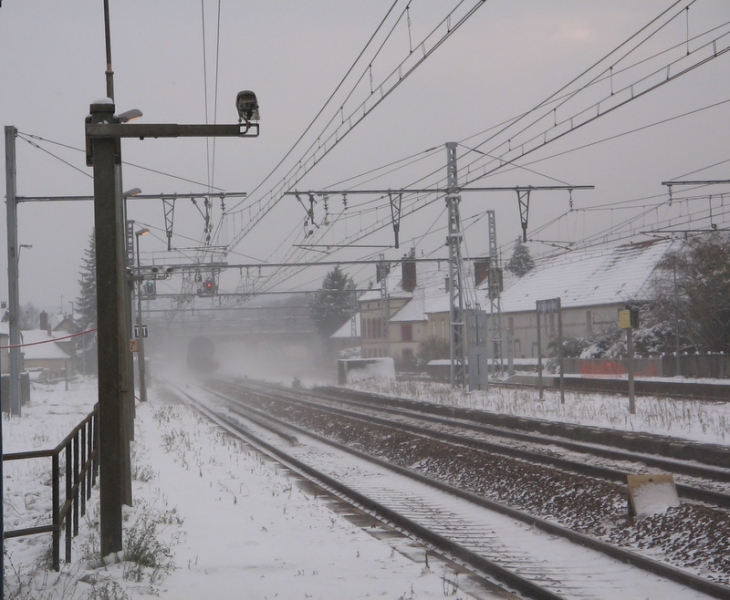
[495, 302]
[354, 317]
[456, 297]
[384, 308]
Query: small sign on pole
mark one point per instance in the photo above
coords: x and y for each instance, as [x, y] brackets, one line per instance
[134, 345]
[628, 319]
[550, 307]
[140, 331]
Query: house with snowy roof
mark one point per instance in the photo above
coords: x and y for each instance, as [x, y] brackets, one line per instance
[43, 355]
[414, 292]
[346, 340]
[592, 286]
[46, 351]
[375, 319]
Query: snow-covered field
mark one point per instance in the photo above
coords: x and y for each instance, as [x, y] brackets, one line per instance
[221, 522]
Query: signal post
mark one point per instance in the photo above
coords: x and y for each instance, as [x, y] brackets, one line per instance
[104, 131]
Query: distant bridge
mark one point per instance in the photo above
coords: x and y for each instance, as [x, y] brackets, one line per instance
[275, 334]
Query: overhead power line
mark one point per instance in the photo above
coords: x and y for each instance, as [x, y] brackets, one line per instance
[325, 142]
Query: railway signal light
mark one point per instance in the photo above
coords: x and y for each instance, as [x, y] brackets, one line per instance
[148, 290]
[208, 288]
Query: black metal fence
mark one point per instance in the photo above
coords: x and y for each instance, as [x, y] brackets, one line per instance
[80, 450]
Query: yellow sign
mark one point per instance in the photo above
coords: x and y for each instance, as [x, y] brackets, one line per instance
[134, 345]
[624, 319]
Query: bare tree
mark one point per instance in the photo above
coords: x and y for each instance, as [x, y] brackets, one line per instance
[29, 317]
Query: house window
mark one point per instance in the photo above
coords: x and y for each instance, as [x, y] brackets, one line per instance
[511, 324]
[589, 323]
[406, 332]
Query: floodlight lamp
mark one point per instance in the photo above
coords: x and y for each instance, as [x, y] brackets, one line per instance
[144, 231]
[129, 115]
[132, 192]
[247, 106]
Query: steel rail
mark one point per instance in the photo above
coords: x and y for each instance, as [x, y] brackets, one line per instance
[648, 564]
[593, 448]
[714, 455]
[684, 491]
[387, 516]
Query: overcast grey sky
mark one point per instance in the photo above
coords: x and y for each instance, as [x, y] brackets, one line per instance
[507, 58]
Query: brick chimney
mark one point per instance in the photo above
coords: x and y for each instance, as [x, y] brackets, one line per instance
[481, 270]
[44, 320]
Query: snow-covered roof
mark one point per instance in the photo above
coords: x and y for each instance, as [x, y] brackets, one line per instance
[345, 332]
[39, 350]
[395, 290]
[58, 320]
[593, 278]
[430, 287]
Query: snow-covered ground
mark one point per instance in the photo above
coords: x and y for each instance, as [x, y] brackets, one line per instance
[223, 522]
[705, 421]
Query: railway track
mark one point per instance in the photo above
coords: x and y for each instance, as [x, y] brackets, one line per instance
[669, 388]
[466, 429]
[511, 426]
[510, 553]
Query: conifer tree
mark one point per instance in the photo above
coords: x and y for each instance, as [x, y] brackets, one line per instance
[332, 305]
[85, 307]
[521, 262]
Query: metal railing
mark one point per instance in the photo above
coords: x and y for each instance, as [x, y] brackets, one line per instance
[80, 473]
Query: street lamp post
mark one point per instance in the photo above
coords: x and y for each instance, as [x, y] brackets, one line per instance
[140, 338]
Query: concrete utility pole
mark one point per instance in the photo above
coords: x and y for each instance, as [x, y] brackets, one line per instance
[104, 131]
[110, 292]
[13, 288]
[10, 186]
